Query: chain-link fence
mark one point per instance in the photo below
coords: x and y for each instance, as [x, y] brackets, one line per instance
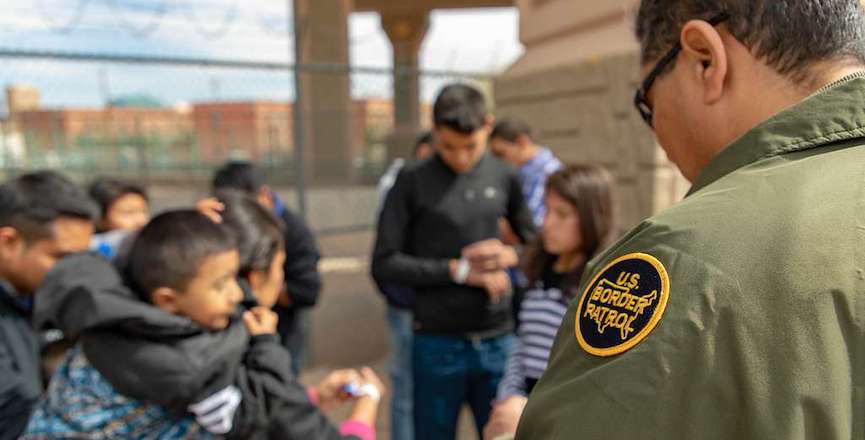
[153, 118]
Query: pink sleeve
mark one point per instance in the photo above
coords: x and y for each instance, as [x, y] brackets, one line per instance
[357, 429]
[312, 394]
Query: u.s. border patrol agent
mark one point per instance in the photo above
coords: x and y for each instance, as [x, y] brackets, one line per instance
[740, 312]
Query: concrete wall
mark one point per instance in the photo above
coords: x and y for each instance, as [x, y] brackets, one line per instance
[331, 207]
[584, 112]
[558, 32]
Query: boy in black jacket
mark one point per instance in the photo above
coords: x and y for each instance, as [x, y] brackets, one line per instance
[169, 363]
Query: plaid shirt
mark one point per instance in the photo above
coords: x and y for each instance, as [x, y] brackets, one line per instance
[534, 178]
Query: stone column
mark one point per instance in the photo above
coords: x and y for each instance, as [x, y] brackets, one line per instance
[406, 33]
[326, 111]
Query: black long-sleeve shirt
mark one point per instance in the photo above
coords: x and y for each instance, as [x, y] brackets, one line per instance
[429, 216]
[302, 279]
[20, 384]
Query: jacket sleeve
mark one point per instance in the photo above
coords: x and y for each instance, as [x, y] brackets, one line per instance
[273, 401]
[260, 380]
[302, 279]
[513, 382]
[519, 216]
[15, 402]
[391, 264]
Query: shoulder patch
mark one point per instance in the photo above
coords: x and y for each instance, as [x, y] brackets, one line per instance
[622, 305]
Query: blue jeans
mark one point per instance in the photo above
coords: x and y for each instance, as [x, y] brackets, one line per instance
[401, 332]
[450, 371]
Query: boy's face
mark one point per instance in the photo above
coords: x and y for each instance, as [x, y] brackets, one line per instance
[24, 264]
[129, 212]
[461, 152]
[266, 286]
[211, 297]
[506, 151]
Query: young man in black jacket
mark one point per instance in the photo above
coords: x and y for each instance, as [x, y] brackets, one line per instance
[438, 234]
[302, 279]
[43, 216]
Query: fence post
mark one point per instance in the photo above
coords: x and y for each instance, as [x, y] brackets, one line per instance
[299, 178]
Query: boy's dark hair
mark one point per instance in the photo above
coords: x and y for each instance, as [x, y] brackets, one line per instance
[106, 190]
[259, 234]
[170, 249]
[30, 203]
[788, 35]
[425, 138]
[461, 108]
[239, 175]
[510, 129]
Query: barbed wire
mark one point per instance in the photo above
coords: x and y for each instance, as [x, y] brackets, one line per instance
[139, 32]
[71, 24]
[227, 21]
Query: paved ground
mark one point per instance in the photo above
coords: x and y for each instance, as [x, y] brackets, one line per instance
[348, 326]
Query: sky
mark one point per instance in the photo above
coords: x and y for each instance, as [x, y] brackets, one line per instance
[471, 40]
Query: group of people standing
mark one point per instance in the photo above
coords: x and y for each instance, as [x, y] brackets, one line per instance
[177, 326]
[736, 314]
[481, 243]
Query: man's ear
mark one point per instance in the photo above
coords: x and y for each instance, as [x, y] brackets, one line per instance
[704, 52]
[11, 242]
[165, 298]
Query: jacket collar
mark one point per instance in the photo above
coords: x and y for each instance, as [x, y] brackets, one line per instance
[834, 114]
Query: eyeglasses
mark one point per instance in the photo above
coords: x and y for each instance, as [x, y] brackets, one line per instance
[640, 101]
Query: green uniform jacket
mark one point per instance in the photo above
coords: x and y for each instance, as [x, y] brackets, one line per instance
[762, 272]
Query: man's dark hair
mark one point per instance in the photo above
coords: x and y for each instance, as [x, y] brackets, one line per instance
[510, 129]
[106, 190]
[170, 249]
[30, 203]
[239, 175]
[461, 108]
[788, 35]
[259, 234]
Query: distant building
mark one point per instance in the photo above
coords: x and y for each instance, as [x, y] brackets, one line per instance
[22, 98]
[12, 149]
[262, 130]
[206, 132]
[252, 129]
[71, 128]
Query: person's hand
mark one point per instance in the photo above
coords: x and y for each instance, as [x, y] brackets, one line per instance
[212, 208]
[365, 409]
[331, 390]
[369, 377]
[260, 321]
[497, 285]
[505, 417]
[490, 255]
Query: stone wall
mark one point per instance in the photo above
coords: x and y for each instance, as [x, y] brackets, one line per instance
[584, 113]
